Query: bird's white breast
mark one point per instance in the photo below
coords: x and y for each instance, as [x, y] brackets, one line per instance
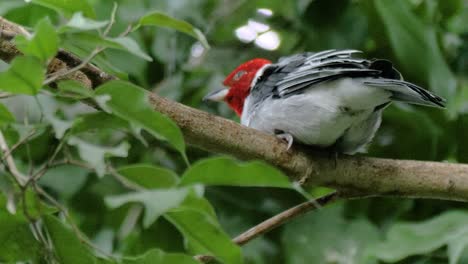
[322, 114]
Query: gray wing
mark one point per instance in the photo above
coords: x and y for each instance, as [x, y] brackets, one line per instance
[294, 74]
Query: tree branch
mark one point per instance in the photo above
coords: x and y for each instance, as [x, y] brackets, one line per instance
[353, 176]
[283, 217]
[20, 178]
[276, 221]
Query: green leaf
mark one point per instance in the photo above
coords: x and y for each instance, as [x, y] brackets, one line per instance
[43, 44]
[128, 44]
[226, 171]
[67, 247]
[195, 201]
[60, 126]
[416, 47]
[68, 7]
[7, 5]
[457, 248]
[18, 243]
[156, 203]
[80, 23]
[450, 8]
[205, 235]
[148, 176]
[99, 121]
[160, 19]
[408, 239]
[66, 180]
[95, 155]
[5, 115]
[80, 47]
[50, 108]
[131, 103]
[34, 206]
[25, 76]
[120, 43]
[325, 236]
[74, 89]
[159, 256]
[400, 121]
[102, 121]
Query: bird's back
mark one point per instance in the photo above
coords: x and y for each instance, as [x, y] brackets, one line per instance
[328, 97]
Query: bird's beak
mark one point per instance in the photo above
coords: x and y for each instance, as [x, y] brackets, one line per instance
[217, 95]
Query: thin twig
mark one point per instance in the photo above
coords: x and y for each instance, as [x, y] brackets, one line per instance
[35, 177]
[126, 31]
[22, 181]
[66, 72]
[28, 149]
[71, 162]
[93, 54]
[10, 162]
[204, 258]
[70, 220]
[276, 221]
[122, 180]
[284, 217]
[20, 143]
[112, 20]
[130, 221]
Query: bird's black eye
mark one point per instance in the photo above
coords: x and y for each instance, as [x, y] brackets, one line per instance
[238, 75]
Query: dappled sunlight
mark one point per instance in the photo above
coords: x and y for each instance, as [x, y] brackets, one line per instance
[259, 33]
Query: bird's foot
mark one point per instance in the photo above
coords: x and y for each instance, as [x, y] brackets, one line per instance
[288, 138]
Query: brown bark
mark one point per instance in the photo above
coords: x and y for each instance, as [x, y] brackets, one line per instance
[353, 176]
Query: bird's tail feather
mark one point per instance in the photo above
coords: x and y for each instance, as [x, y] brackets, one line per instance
[407, 92]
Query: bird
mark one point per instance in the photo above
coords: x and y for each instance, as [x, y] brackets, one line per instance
[330, 99]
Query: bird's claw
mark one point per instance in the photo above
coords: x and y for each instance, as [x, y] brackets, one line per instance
[286, 137]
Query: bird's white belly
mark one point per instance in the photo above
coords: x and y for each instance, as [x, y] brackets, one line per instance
[321, 115]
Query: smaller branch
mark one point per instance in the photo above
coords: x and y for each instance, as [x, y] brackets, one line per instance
[7, 35]
[122, 180]
[204, 258]
[68, 161]
[5, 94]
[54, 77]
[126, 31]
[276, 221]
[12, 29]
[284, 217]
[20, 143]
[112, 20]
[130, 221]
[84, 63]
[10, 162]
[50, 162]
[82, 237]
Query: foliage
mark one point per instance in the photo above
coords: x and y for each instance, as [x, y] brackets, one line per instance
[121, 186]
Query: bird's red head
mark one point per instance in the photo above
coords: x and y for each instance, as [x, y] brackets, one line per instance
[239, 82]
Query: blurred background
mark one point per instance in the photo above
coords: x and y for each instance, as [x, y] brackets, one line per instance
[427, 40]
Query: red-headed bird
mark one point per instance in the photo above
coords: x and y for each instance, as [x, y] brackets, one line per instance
[324, 99]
